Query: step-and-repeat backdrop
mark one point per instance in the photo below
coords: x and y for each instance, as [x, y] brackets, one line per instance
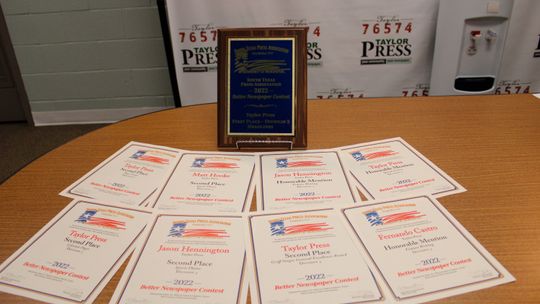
[520, 67]
[356, 49]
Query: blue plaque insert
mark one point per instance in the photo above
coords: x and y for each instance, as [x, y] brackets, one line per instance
[261, 86]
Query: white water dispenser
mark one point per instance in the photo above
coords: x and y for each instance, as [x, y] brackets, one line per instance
[469, 46]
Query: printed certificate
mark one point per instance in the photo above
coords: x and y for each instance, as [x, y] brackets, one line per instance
[391, 168]
[306, 257]
[421, 251]
[209, 182]
[302, 180]
[187, 259]
[130, 176]
[73, 257]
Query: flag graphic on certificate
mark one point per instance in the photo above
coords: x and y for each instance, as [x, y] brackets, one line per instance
[375, 219]
[142, 155]
[179, 230]
[89, 218]
[203, 163]
[285, 163]
[358, 156]
[279, 228]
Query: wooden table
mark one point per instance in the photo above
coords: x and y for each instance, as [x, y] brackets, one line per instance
[489, 144]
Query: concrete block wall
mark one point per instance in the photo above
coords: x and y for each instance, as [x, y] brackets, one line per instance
[78, 55]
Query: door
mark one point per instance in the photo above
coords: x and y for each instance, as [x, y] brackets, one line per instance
[13, 100]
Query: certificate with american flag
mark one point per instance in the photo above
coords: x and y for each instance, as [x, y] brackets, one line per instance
[187, 258]
[130, 176]
[73, 257]
[306, 257]
[302, 180]
[419, 251]
[392, 168]
[209, 182]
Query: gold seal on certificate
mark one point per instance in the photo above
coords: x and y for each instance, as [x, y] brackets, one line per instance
[262, 91]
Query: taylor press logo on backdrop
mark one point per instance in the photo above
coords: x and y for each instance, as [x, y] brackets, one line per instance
[421, 89]
[537, 50]
[198, 47]
[387, 40]
[516, 86]
[340, 93]
[314, 50]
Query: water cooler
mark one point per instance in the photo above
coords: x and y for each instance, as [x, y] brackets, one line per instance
[469, 46]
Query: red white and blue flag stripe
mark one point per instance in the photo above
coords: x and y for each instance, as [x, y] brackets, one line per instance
[179, 230]
[203, 163]
[360, 156]
[375, 219]
[141, 155]
[279, 228]
[285, 163]
[89, 218]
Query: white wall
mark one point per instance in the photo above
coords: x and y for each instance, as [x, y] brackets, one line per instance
[79, 56]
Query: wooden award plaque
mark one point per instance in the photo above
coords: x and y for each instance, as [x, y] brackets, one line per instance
[262, 90]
